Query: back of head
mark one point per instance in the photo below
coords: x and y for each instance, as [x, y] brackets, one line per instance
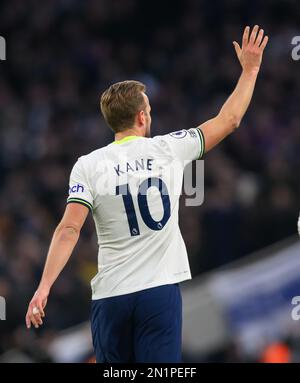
[121, 102]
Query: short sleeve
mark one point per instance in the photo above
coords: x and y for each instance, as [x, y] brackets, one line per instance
[79, 190]
[187, 145]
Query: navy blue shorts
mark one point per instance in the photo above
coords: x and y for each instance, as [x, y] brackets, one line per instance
[142, 327]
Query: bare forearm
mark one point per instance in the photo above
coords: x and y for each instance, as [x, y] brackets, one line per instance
[231, 113]
[63, 242]
[60, 250]
[237, 104]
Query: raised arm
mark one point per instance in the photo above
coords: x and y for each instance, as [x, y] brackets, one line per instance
[63, 242]
[232, 112]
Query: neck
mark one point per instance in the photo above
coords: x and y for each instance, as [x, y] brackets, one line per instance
[129, 132]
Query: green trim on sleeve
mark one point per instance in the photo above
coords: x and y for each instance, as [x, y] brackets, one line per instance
[80, 201]
[202, 143]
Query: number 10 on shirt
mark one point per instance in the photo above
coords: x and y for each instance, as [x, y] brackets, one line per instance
[158, 183]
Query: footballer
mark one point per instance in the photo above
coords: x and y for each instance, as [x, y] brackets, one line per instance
[136, 308]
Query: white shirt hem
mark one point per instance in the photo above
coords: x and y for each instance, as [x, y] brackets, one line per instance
[118, 292]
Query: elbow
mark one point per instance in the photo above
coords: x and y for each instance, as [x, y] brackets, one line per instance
[234, 122]
[67, 232]
[230, 121]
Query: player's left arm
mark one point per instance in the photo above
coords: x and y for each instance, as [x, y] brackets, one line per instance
[63, 242]
[229, 118]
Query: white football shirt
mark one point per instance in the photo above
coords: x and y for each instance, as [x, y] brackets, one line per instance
[132, 188]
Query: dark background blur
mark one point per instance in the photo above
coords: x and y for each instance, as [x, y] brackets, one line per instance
[61, 54]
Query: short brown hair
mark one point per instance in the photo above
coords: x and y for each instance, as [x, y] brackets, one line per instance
[121, 102]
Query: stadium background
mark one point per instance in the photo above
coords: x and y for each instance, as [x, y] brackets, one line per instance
[60, 56]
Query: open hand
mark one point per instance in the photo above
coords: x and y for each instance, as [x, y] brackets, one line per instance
[253, 45]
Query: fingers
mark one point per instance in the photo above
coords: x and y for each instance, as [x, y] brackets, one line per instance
[36, 307]
[38, 318]
[259, 37]
[264, 43]
[33, 321]
[256, 37]
[41, 309]
[34, 317]
[245, 37]
[253, 34]
[237, 48]
[28, 321]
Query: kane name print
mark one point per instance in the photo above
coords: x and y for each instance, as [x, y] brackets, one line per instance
[134, 166]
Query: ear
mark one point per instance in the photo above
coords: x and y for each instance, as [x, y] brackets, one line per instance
[141, 118]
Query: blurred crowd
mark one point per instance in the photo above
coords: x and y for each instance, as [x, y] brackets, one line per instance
[61, 54]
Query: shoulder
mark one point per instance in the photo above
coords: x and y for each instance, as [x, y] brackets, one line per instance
[167, 141]
[170, 137]
[95, 154]
[92, 157]
[89, 163]
[186, 145]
